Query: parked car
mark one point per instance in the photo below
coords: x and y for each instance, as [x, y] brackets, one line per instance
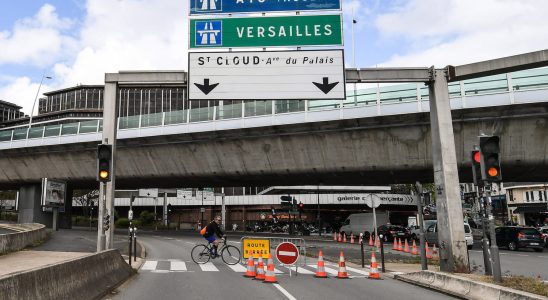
[415, 230]
[432, 235]
[544, 235]
[516, 237]
[362, 223]
[389, 232]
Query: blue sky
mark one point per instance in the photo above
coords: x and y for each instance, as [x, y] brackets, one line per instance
[77, 41]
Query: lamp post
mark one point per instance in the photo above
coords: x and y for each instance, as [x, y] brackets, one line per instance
[36, 98]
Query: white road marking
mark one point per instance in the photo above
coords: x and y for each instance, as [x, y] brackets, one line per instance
[159, 271]
[150, 265]
[357, 271]
[397, 273]
[238, 268]
[286, 293]
[178, 266]
[234, 242]
[523, 255]
[328, 270]
[208, 267]
[300, 270]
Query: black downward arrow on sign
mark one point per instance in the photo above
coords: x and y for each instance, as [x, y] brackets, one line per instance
[206, 88]
[326, 87]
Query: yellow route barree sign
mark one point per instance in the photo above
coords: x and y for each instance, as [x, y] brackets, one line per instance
[257, 247]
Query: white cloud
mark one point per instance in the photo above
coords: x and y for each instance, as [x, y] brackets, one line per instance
[128, 35]
[115, 35]
[23, 90]
[464, 31]
[36, 41]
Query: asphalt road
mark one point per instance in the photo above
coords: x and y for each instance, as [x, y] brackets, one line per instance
[169, 273]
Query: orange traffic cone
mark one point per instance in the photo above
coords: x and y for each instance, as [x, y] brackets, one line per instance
[378, 243]
[342, 268]
[320, 273]
[344, 237]
[370, 241]
[334, 236]
[351, 238]
[406, 248]
[428, 254]
[250, 266]
[395, 247]
[415, 250]
[270, 276]
[260, 269]
[374, 270]
[340, 238]
[400, 247]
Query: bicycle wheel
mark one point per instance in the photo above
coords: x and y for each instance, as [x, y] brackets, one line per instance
[200, 254]
[230, 255]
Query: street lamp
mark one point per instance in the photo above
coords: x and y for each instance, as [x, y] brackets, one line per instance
[36, 97]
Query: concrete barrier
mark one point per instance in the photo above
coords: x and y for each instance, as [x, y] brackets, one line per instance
[88, 277]
[27, 235]
[465, 288]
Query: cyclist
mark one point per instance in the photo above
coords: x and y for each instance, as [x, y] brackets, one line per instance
[210, 231]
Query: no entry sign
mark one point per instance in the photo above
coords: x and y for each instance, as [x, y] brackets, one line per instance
[287, 253]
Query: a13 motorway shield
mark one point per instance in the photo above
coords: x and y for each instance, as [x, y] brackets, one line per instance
[267, 75]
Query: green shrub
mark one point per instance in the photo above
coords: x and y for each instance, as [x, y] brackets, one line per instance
[146, 218]
[122, 223]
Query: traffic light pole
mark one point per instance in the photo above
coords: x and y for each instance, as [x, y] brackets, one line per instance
[101, 237]
[485, 240]
[495, 257]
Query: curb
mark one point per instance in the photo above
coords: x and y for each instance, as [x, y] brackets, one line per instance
[464, 288]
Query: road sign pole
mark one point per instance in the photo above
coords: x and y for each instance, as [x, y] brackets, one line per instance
[495, 258]
[109, 137]
[485, 240]
[420, 197]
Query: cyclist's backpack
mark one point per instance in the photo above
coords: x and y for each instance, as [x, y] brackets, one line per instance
[203, 231]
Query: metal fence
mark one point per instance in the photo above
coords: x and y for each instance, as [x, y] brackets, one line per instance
[274, 242]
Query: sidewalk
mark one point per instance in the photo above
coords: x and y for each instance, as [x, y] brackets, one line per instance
[29, 260]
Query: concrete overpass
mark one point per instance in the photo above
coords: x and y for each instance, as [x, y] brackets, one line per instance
[330, 146]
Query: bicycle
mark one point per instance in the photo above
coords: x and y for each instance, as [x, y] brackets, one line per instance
[202, 253]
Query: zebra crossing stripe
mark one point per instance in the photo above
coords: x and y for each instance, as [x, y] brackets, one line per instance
[150, 265]
[328, 270]
[178, 266]
[238, 268]
[301, 270]
[208, 267]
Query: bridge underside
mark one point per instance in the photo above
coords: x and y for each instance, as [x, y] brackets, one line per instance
[380, 150]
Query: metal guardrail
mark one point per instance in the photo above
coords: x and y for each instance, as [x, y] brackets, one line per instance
[274, 242]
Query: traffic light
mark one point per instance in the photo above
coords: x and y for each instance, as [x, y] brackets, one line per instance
[169, 208]
[301, 207]
[490, 162]
[286, 201]
[104, 162]
[106, 223]
[475, 157]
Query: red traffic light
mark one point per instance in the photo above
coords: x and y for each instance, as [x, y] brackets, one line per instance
[477, 157]
[301, 205]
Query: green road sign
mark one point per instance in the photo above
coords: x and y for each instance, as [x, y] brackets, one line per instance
[317, 30]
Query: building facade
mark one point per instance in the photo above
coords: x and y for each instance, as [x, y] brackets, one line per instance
[527, 204]
[9, 111]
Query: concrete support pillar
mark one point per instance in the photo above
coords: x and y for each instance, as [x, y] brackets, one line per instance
[109, 137]
[30, 206]
[453, 250]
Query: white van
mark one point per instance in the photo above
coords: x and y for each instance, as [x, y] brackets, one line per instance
[363, 223]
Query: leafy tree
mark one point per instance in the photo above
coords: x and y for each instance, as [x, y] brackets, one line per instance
[86, 199]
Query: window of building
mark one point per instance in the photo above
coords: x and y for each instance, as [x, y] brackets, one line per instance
[527, 196]
[540, 196]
